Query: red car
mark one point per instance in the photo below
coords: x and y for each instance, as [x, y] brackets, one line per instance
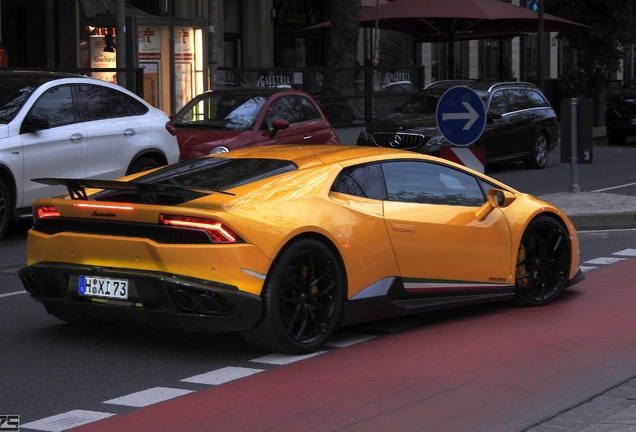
[223, 120]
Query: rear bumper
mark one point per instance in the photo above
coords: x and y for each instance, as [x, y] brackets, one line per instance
[165, 301]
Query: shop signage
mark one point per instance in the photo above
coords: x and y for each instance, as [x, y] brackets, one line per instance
[274, 81]
[299, 17]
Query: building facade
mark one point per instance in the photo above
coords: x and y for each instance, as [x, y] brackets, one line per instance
[188, 46]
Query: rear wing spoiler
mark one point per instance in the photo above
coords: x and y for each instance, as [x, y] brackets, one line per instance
[147, 192]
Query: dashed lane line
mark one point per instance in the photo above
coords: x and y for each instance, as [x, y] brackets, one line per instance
[67, 420]
[223, 375]
[148, 397]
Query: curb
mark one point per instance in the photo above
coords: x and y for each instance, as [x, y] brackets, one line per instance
[585, 222]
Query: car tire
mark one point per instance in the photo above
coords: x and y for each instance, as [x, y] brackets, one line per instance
[615, 137]
[303, 299]
[543, 262]
[5, 209]
[539, 154]
[144, 163]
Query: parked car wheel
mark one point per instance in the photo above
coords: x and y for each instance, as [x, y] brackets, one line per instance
[303, 296]
[615, 137]
[539, 157]
[144, 163]
[543, 262]
[5, 209]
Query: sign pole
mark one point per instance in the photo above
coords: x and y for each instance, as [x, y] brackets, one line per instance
[574, 186]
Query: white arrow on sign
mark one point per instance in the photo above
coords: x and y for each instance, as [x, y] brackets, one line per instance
[471, 116]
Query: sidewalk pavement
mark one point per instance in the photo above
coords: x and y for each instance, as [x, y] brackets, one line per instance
[596, 210]
[615, 409]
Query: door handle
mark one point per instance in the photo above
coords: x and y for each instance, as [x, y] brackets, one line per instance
[307, 137]
[129, 132]
[77, 137]
[400, 227]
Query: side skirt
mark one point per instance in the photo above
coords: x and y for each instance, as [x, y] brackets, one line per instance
[397, 302]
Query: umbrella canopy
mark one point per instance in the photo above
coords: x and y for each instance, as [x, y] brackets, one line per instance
[450, 20]
[427, 18]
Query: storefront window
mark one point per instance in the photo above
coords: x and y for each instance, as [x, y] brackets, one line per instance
[153, 43]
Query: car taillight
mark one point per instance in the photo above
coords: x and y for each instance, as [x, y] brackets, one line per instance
[217, 231]
[45, 212]
[170, 128]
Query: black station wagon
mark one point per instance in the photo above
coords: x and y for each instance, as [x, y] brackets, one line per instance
[521, 125]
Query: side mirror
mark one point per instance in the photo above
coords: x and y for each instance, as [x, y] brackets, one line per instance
[497, 198]
[34, 123]
[278, 124]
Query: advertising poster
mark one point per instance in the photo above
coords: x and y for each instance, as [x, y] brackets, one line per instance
[103, 56]
[151, 83]
[149, 42]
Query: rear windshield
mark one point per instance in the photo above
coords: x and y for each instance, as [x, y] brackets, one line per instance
[217, 174]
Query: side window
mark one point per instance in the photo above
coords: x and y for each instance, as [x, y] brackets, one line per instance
[364, 181]
[498, 103]
[282, 108]
[536, 98]
[517, 100]
[122, 104]
[93, 102]
[56, 105]
[430, 183]
[307, 109]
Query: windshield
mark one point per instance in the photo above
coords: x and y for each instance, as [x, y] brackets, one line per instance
[14, 92]
[221, 111]
[426, 101]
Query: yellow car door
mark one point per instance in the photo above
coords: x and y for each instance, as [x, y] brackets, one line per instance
[438, 240]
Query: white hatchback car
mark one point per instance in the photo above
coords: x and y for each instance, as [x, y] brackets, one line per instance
[71, 126]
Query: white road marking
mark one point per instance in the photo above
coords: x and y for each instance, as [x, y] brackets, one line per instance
[12, 271]
[148, 397]
[614, 187]
[221, 376]
[345, 340]
[12, 293]
[283, 359]
[626, 252]
[605, 260]
[587, 268]
[68, 420]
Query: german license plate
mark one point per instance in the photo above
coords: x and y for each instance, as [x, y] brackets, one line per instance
[103, 287]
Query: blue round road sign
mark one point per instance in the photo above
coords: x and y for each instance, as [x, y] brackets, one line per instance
[461, 115]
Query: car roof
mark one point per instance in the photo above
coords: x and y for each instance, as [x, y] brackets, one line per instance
[252, 91]
[308, 155]
[480, 84]
[37, 76]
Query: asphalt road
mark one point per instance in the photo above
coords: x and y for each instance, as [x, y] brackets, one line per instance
[50, 369]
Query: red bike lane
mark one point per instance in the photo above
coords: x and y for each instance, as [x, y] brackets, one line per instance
[497, 369]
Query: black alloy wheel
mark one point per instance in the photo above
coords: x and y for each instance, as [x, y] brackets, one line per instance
[543, 263]
[5, 209]
[540, 150]
[303, 298]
